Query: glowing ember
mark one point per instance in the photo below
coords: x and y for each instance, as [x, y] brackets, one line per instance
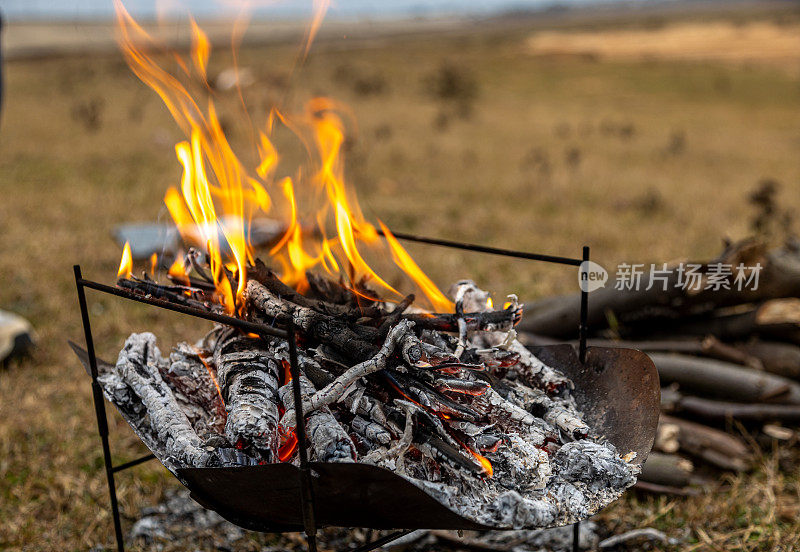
[487, 466]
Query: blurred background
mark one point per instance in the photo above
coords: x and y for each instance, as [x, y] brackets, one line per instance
[643, 129]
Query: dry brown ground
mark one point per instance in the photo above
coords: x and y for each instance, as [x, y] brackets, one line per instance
[760, 42]
[643, 161]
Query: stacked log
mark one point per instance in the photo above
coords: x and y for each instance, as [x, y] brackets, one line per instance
[728, 356]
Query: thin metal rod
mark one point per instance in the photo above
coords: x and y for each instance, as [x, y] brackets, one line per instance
[191, 311]
[382, 541]
[576, 534]
[99, 409]
[485, 249]
[583, 329]
[307, 492]
[133, 463]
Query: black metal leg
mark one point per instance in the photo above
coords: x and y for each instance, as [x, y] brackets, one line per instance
[307, 496]
[100, 410]
[576, 534]
[583, 329]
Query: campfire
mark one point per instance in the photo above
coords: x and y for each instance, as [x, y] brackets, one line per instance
[433, 387]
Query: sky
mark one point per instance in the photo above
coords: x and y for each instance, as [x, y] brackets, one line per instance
[100, 9]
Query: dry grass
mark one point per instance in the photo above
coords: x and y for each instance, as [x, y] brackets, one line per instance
[761, 42]
[648, 161]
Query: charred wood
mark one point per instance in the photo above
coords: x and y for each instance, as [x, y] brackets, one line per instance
[399, 337]
[498, 320]
[371, 430]
[318, 326]
[138, 366]
[248, 377]
[195, 390]
[327, 439]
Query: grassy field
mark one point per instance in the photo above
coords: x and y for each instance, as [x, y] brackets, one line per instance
[463, 137]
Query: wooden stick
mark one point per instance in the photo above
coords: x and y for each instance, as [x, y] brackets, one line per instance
[327, 439]
[321, 327]
[724, 380]
[655, 488]
[782, 359]
[248, 376]
[138, 367]
[667, 469]
[779, 277]
[400, 336]
[712, 445]
[497, 320]
[721, 411]
[275, 285]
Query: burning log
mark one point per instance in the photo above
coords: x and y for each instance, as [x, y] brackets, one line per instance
[371, 430]
[429, 397]
[327, 439]
[319, 326]
[248, 379]
[173, 294]
[724, 380]
[195, 389]
[533, 372]
[407, 403]
[138, 366]
[500, 320]
[267, 278]
[400, 336]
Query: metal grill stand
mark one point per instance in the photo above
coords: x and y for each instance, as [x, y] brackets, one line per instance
[287, 333]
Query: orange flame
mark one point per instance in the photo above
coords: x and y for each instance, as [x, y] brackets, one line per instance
[404, 261]
[126, 263]
[153, 264]
[484, 462]
[219, 194]
[178, 271]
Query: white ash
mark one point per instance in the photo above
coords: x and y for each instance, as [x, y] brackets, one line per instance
[490, 400]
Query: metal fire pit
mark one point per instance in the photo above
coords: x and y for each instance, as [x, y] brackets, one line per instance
[617, 389]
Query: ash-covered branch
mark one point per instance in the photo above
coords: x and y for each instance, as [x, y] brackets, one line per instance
[327, 439]
[400, 335]
[248, 378]
[138, 366]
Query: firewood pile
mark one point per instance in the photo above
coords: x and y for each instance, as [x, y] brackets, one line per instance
[728, 355]
[451, 402]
